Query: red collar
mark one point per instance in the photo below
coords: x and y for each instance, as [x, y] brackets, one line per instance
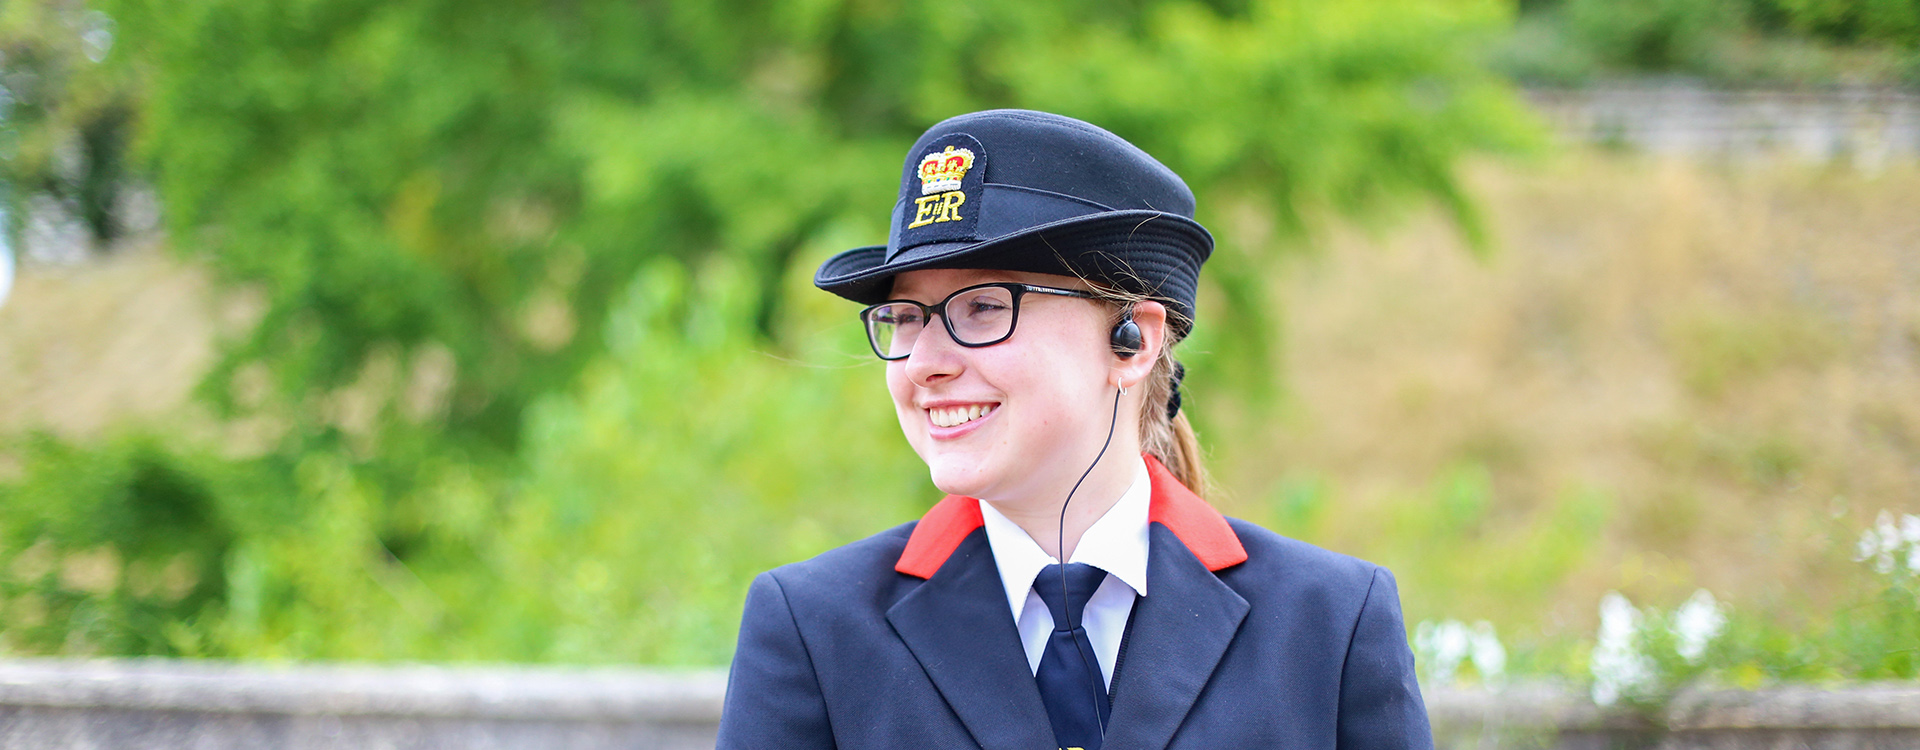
[1192, 521]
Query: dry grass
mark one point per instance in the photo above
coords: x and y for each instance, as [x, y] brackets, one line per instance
[1666, 375]
[83, 348]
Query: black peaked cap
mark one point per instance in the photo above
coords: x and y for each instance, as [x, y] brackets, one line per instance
[1018, 190]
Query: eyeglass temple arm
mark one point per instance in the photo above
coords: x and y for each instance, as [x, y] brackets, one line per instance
[1059, 292]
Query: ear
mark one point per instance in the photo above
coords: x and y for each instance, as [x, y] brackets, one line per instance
[1151, 317]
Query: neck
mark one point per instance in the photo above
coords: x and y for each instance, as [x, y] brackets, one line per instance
[1040, 515]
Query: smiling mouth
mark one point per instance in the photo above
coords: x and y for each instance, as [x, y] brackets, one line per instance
[954, 416]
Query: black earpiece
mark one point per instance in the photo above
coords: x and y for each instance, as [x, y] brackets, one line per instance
[1126, 336]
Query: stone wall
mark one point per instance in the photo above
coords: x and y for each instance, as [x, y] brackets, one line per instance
[1867, 127]
[216, 706]
[1874, 716]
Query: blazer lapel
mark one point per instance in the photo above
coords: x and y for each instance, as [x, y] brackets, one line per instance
[957, 625]
[1180, 631]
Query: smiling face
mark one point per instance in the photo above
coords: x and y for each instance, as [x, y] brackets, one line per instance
[1006, 422]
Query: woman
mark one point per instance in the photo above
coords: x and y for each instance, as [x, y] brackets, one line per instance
[1037, 275]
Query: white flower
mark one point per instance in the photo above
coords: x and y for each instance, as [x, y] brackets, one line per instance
[1618, 666]
[1910, 531]
[1489, 657]
[1883, 541]
[1696, 624]
[1442, 646]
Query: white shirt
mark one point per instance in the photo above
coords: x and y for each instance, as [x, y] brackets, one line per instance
[1116, 543]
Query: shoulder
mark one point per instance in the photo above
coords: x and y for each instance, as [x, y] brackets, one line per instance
[862, 567]
[1301, 572]
[1344, 638]
[1269, 550]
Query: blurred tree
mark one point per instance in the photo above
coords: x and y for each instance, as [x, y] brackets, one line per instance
[117, 548]
[64, 116]
[1653, 35]
[1849, 21]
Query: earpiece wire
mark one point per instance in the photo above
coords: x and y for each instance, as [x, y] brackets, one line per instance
[1060, 545]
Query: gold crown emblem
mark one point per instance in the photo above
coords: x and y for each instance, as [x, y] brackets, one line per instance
[941, 171]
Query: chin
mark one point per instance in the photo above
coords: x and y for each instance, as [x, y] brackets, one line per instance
[955, 480]
[960, 475]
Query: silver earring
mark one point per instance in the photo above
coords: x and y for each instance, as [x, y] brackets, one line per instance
[1123, 389]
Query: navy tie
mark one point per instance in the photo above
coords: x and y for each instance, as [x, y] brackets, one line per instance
[1069, 676]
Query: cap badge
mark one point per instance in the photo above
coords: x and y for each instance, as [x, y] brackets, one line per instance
[941, 173]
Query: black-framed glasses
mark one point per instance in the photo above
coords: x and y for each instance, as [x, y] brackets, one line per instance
[976, 316]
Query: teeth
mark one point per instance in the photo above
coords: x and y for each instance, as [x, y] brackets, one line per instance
[950, 416]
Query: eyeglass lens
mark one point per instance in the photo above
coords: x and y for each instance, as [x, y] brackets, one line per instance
[975, 317]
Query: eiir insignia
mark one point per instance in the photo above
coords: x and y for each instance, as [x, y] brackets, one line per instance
[940, 195]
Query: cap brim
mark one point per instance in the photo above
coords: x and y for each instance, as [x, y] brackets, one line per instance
[1149, 252]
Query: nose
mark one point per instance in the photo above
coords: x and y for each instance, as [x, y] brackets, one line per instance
[935, 357]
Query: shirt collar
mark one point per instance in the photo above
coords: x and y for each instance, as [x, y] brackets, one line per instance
[1116, 543]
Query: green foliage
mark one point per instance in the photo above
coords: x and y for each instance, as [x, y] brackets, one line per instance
[1799, 42]
[1651, 35]
[1850, 21]
[117, 548]
[629, 534]
[648, 509]
[1641, 657]
[1873, 633]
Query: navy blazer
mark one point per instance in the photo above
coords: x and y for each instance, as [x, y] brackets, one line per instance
[904, 639]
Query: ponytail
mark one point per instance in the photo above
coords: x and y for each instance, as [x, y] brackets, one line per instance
[1184, 458]
[1170, 438]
